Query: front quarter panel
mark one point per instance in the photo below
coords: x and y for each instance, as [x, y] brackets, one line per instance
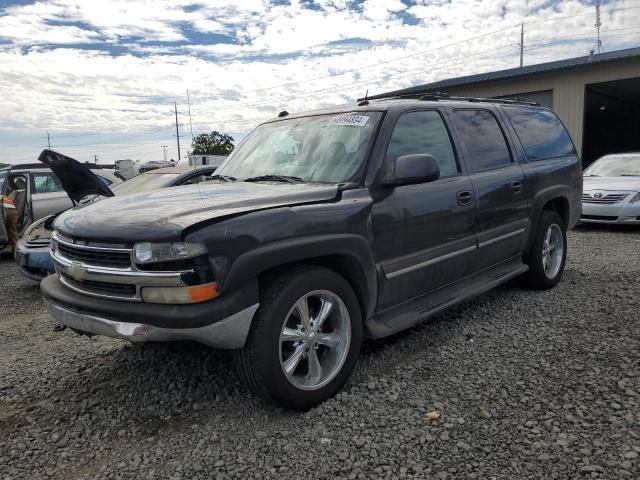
[244, 246]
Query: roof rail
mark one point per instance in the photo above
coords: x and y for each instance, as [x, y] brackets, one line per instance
[438, 96]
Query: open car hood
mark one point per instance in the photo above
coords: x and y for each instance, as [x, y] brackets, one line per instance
[76, 179]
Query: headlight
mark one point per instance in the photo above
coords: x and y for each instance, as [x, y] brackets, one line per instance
[163, 252]
[636, 198]
[33, 226]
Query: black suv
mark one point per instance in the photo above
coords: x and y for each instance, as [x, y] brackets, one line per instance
[323, 228]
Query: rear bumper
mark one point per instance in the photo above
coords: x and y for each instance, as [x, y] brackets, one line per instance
[33, 262]
[222, 323]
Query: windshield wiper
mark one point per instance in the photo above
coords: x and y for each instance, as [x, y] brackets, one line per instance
[224, 178]
[274, 178]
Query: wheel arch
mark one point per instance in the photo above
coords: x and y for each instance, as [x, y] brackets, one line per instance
[554, 198]
[346, 254]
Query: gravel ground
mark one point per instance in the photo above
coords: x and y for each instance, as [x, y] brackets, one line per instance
[527, 385]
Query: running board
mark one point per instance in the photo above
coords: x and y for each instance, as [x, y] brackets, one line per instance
[412, 312]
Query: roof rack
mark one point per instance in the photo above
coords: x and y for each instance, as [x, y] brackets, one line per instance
[438, 96]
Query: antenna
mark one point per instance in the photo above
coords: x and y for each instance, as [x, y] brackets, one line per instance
[598, 45]
[48, 140]
[364, 101]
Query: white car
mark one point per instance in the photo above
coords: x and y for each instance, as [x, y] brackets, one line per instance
[611, 192]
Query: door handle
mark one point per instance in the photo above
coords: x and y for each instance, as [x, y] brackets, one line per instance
[465, 197]
[516, 187]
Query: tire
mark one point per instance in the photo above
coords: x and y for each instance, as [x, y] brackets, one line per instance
[269, 347]
[545, 271]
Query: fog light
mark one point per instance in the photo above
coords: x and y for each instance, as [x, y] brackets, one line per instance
[180, 295]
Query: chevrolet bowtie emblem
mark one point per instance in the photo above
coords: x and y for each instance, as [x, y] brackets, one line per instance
[77, 271]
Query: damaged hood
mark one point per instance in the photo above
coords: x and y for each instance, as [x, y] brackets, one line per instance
[76, 179]
[162, 215]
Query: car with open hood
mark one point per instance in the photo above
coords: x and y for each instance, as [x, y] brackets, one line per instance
[612, 190]
[37, 192]
[83, 185]
[322, 228]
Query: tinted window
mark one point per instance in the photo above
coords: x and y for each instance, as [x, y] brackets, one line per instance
[541, 133]
[46, 183]
[483, 142]
[105, 180]
[423, 133]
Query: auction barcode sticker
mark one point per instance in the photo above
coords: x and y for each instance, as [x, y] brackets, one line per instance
[348, 121]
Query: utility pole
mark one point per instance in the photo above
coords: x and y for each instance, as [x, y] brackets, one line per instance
[175, 104]
[164, 151]
[521, 45]
[95, 159]
[598, 45]
[48, 140]
[190, 124]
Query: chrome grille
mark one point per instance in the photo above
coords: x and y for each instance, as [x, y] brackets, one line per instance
[119, 290]
[604, 198]
[102, 256]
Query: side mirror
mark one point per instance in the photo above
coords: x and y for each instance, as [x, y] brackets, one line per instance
[412, 169]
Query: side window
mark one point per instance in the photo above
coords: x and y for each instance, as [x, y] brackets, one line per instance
[542, 135]
[46, 183]
[483, 142]
[423, 133]
[105, 180]
[196, 179]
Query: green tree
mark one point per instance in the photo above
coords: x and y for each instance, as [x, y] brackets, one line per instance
[214, 143]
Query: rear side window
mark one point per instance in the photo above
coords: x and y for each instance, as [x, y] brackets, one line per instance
[46, 183]
[483, 142]
[423, 133]
[541, 133]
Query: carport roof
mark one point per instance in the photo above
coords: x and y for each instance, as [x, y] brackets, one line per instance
[510, 73]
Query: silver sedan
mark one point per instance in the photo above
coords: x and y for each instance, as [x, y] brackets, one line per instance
[611, 192]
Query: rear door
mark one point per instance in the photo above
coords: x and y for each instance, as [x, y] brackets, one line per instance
[47, 195]
[4, 238]
[501, 188]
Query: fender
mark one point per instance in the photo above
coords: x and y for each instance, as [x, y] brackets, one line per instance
[542, 197]
[249, 265]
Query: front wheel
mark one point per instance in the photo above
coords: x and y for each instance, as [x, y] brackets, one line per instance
[548, 253]
[305, 338]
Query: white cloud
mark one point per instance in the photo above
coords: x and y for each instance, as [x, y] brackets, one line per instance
[292, 57]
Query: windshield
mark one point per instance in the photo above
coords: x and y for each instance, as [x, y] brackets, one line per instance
[323, 148]
[143, 183]
[615, 166]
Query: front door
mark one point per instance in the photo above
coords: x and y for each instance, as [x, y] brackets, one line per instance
[4, 238]
[501, 188]
[423, 234]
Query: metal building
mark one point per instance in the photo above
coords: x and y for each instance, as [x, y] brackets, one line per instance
[596, 96]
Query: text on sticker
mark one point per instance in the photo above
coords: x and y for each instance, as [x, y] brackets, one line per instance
[348, 121]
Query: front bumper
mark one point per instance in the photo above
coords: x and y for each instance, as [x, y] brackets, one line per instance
[618, 213]
[33, 261]
[222, 323]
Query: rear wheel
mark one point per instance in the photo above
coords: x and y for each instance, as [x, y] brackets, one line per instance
[305, 338]
[548, 254]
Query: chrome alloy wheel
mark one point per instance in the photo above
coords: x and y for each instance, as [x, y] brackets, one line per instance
[552, 251]
[315, 339]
